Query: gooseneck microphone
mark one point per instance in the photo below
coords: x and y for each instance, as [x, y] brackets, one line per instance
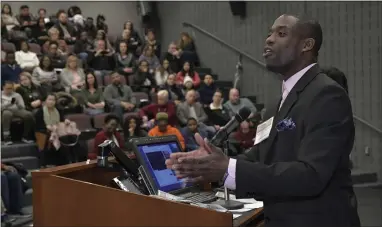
[227, 129]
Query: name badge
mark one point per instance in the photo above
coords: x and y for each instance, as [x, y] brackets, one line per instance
[263, 131]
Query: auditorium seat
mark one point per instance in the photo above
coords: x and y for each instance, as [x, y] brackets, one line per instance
[83, 122]
[9, 47]
[142, 98]
[35, 48]
[99, 121]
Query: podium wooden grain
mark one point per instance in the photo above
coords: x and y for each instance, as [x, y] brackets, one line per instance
[80, 195]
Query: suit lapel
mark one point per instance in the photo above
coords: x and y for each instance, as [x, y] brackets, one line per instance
[289, 102]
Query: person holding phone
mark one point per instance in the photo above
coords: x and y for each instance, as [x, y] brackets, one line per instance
[12, 105]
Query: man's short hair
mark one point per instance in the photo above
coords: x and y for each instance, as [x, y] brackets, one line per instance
[310, 28]
[110, 117]
[24, 7]
[163, 93]
[8, 82]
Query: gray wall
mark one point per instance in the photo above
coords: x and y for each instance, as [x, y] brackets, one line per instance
[352, 42]
[116, 13]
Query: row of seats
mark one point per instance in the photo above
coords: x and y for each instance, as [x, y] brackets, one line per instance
[34, 47]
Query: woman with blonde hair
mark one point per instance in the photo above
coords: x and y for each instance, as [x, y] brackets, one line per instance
[72, 76]
[54, 35]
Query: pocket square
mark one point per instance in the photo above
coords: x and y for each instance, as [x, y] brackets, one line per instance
[285, 125]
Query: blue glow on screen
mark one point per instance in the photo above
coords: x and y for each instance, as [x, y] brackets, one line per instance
[154, 156]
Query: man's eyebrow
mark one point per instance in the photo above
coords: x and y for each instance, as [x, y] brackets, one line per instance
[278, 28]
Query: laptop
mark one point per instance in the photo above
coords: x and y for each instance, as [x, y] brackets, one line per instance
[152, 153]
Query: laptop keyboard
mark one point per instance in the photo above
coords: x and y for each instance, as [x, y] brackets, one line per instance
[199, 197]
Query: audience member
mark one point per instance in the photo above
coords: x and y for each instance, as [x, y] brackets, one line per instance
[31, 93]
[101, 35]
[162, 128]
[162, 73]
[66, 31]
[125, 61]
[25, 18]
[129, 40]
[42, 15]
[149, 112]
[56, 55]
[338, 76]
[151, 41]
[245, 135]
[12, 106]
[7, 17]
[30, 36]
[101, 25]
[173, 57]
[93, 96]
[102, 60]
[149, 56]
[72, 76]
[134, 34]
[143, 80]
[25, 58]
[10, 70]
[191, 109]
[11, 190]
[188, 72]
[235, 103]
[188, 86]
[187, 49]
[90, 28]
[132, 129]
[40, 32]
[119, 97]
[45, 76]
[217, 114]
[207, 90]
[109, 132]
[83, 46]
[175, 92]
[54, 36]
[189, 131]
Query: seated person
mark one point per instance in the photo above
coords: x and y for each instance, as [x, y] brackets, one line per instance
[162, 128]
[102, 60]
[25, 58]
[191, 108]
[132, 129]
[58, 58]
[125, 60]
[149, 56]
[235, 103]
[109, 132]
[162, 73]
[150, 40]
[83, 46]
[188, 72]
[245, 136]
[93, 96]
[45, 76]
[188, 86]
[173, 57]
[12, 106]
[175, 92]
[119, 97]
[73, 78]
[10, 70]
[31, 93]
[54, 36]
[189, 131]
[143, 80]
[149, 112]
[186, 47]
[25, 18]
[11, 190]
[207, 90]
[217, 114]
[67, 32]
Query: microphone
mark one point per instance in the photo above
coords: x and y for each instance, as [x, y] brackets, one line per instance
[223, 133]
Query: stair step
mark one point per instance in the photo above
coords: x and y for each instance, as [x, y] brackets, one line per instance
[203, 70]
[29, 162]
[375, 185]
[28, 198]
[363, 177]
[19, 150]
[27, 221]
[225, 84]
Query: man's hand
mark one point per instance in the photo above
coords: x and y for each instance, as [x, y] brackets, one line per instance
[206, 164]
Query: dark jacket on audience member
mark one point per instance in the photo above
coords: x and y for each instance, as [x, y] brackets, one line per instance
[82, 46]
[140, 78]
[10, 73]
[174, 92]
[206, 93]
[217, 116]
[30, 94]
[40, 123]
[151, 111]
[127, 62]
[102, 62]
[100, 138]
[175, 63]
[58, 61]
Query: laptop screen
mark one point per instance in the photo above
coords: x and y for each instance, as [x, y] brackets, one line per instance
[154, 155]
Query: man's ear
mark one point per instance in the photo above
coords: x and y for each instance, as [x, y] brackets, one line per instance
[308, 44]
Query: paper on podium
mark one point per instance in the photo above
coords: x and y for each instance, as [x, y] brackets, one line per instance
[248, 203]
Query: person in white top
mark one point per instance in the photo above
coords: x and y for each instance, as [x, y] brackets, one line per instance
[25, 58]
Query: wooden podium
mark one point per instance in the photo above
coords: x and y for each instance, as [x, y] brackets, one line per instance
[80, 194]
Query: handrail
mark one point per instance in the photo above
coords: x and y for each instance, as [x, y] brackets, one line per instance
[243, 53]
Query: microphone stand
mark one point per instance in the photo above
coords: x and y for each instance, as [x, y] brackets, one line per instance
[227, 203]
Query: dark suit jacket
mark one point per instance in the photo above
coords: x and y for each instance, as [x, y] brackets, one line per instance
[303, 174]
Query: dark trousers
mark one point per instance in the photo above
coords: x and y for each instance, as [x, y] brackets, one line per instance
[12, 192]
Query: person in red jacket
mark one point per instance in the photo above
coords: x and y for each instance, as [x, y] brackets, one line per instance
[149, 112]
[188, 71]
[109, 132]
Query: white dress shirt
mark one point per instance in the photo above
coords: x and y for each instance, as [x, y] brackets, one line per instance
[287, 86]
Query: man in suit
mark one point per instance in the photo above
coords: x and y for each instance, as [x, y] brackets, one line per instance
[299, 165]
[191, 108]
